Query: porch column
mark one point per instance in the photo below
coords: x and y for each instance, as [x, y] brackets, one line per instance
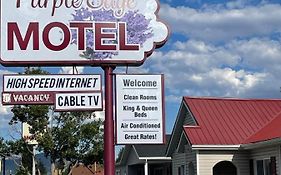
[146, 167]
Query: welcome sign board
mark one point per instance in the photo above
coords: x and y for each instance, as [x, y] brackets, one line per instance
[140, 109]
[79, 32]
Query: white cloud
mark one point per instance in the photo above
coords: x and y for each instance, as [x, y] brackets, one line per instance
[235, 82]
[5, 111]
[229, 50]
[4, 120]
[240, 68]
[262, 54]
[98, 115]
[173, 98]
[220, 24]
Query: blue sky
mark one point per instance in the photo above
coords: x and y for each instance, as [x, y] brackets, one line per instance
[218, 48]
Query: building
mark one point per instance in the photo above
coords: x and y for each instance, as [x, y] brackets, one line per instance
[95, 169]
[144, 160]
[217, 136]
[225, 136]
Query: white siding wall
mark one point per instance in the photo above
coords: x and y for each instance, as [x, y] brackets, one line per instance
[190, 157]
[178, 160]
[266, 153]
[188, 120]
[133, 158]
[185, 158]
[208, 159]
[122, 170]
[278, 160]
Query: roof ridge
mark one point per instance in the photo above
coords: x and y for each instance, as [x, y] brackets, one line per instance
[269, 122]
[231, 98]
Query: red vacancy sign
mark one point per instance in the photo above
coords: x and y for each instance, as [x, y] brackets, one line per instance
[80, 32]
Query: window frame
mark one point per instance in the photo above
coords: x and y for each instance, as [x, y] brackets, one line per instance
[181, 170]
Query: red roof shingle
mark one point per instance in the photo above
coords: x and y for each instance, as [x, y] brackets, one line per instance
[228, 121]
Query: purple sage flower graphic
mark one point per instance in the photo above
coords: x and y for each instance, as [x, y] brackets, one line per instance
[138, 30]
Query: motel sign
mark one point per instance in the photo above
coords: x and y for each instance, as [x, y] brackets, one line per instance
[105, 33]
[79, 32]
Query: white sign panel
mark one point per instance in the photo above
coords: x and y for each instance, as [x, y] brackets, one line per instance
[87, 101]
[139, 109]
[52, 83]
[79, 32]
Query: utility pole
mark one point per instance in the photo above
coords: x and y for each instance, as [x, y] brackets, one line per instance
[33, 160]
[4, 165]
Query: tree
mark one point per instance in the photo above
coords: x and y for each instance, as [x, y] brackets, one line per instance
[10, 148]
[34, 115]
[3, 148]
[20, 147]
[42, 169]
[72, 140]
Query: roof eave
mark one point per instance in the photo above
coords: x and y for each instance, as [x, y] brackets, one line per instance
[261, 143]
[124, 156]
[155, 158]
[168, 150]
[216, 147]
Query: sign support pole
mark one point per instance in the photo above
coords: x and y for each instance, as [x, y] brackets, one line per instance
[109, 152]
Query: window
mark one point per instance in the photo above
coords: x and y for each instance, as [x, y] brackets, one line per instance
[158, 171]
[191, 169]
[263, 167]
[267, 167]
[260, 167]
[181, 170]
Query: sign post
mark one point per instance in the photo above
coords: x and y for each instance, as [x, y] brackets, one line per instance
[109, 152]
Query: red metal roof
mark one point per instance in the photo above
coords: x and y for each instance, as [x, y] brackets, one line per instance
[228, 121]
[270, 131]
